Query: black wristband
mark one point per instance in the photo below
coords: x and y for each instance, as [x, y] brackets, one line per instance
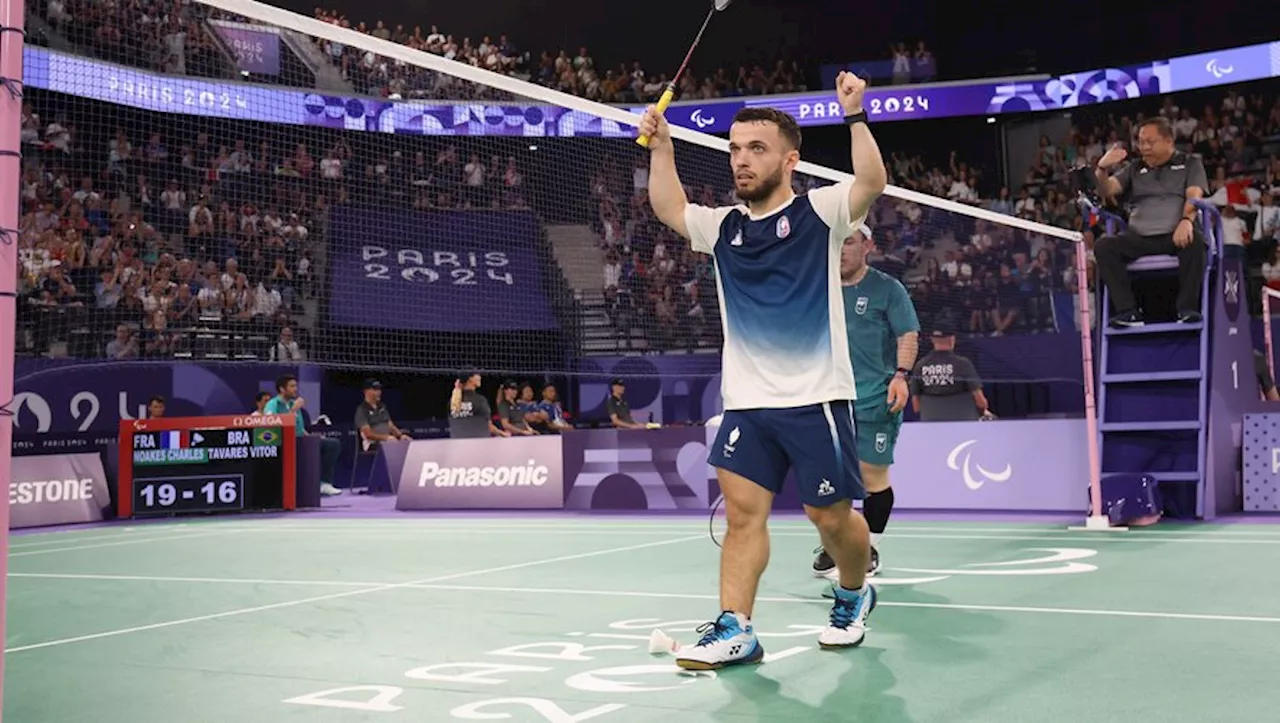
[859, 117]
[906, 373]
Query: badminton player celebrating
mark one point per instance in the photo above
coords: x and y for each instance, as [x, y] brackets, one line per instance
[884, 336]
[788, 383]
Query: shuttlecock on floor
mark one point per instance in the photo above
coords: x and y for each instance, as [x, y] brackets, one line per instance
[662, 644]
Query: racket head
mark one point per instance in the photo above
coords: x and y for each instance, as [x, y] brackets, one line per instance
[718, 524]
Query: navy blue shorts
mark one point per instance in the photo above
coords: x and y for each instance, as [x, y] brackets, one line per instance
[818, 442]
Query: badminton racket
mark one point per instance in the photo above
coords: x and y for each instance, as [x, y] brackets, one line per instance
[670, 93]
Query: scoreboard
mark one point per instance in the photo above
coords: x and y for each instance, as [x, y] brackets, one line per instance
[206, 465]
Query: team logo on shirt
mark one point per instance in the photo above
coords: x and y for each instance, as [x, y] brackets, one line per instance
[737, 240]
[729, 447]
[784, 227]
[860, 307]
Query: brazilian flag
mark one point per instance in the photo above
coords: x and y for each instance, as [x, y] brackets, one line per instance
[267, 437]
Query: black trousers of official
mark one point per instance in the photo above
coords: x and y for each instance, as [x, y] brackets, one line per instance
[1113, 254]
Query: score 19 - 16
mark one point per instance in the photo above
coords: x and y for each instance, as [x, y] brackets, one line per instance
[201, 493]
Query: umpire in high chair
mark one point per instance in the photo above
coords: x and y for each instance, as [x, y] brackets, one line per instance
[1159, 188]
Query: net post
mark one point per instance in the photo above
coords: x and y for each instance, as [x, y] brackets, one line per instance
[1096, 520]
[11, 42]
[1267, 294]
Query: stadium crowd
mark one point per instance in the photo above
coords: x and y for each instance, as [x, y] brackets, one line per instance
[967, 275]
[167, 36]
[576, 73]
[140, 237]
[173, 36]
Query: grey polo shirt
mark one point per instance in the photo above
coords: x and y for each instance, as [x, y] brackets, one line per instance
[511, 412]
[620, 408]
[378, 418]
[1156, 195]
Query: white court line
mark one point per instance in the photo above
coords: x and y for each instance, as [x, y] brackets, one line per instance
[480, 525]
[882, 603]
[346, 594]
[210, 580]
[440, 525]
[638, 531]
[596, 593]
[1081, 538]
[136, 541]
[15, 544]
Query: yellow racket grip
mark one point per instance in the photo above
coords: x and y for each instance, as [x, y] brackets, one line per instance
[663, 102]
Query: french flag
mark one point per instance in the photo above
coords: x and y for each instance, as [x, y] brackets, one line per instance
[172, 440]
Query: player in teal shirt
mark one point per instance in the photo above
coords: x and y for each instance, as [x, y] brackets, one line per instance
[287, 401]
[884, 336]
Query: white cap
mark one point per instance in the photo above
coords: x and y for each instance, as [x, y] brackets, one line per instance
[865, 230]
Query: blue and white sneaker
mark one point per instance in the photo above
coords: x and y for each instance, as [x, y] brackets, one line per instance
[848, 625]
[730, 640]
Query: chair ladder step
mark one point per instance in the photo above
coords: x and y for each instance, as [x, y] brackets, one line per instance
[1172, 327]
[1189, 425]
[1143, 377]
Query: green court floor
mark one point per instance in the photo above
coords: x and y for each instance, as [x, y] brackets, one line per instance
[243, 620]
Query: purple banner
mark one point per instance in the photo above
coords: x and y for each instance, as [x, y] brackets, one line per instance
[73, 406]
[1011, 466]
[517, 473]
[1003, 466]
[639, 469]
[52, 70]
[57, 489]
[985, 96]
[256, 48]
[1233, 388]
[96, 80]
[1024, 465]
[443, 271]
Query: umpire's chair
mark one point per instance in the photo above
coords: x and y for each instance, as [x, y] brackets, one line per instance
[1154, 384]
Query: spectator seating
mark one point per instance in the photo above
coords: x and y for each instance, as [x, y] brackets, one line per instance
[200, 239]
[971, 276]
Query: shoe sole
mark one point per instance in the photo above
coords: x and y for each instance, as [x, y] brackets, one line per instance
[700, 665]
[829, 646]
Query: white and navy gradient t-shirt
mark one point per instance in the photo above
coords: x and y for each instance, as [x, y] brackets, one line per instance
[778, 276]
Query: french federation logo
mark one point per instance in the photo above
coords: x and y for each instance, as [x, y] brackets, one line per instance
[860, 307]
[784, 227]
[729, 446]
[882, 442]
